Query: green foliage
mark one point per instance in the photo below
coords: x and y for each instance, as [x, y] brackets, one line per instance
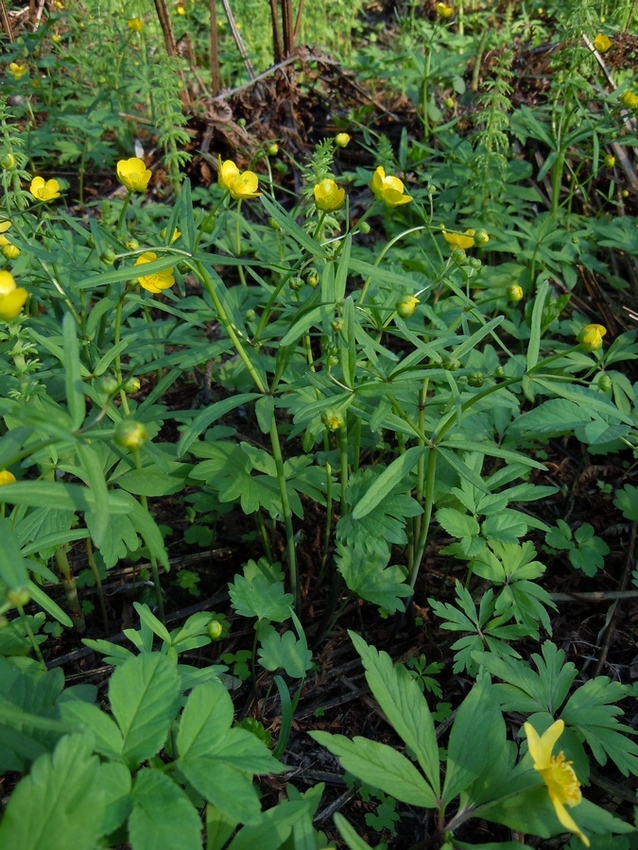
[585, 550]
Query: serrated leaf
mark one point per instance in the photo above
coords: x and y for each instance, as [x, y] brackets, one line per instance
[366, 574]
[115, 781]
[107, 736]
[404, 705]
[162, 814]
[381, 766]
[258, 597]
[456, 523]
[627, 502]
[591, 710]
[144, 696]
[284, 652]
[63, 789]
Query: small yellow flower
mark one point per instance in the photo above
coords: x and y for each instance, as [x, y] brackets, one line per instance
[12, 298]
[159, 280]
[328, 196]
[406, 306]
[558, 775]
[55, 38]
[17, 70]
[133, 174]
[135, 24]
[342, 140]
[6, 477]
[443, 10]
[591, 337]
[459, 240]
[602, 43]
[388, 189]
[333, 420]
[58, 4]
[629, 99]
[609, 161]
[176, 234]
[5, 224]
[43, 190]
[181, 10]
[240, 184]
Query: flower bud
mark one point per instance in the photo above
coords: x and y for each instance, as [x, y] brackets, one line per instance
[476, 379]
[11, 252]
[130, 434]
[515, 292]
[250, 315]
[108, 257]
[364, 228]
[272, 149]
[131, 385]
[451, 364]
[342, 140]
[406, 306]
[295, 283]
[214, 630]
[337, 325]
[481, 237]
[131, 244]
[108, 385]
[6, 477]
[8, 162]
[312, 278]
[605, 383]
[499, 372]
[591, 337]
[273, 225]
[609, 161]
[449, 103]
[18, 596]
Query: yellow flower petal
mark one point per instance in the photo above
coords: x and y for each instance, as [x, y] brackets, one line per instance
[133, 174]
[157, 281]
[43, 190]
[388, 189]
[328, 196]
[6, 477]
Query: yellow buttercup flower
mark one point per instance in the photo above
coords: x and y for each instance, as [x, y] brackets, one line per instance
[515, 293]
[181, 10]
[629, 99]
[240, 184]
[43, 190]
[176, 234]
[328, 196]
[342, 140]
[12, 297]
[602, 43]
[443, 10]
[135, 24]
[558, 774]
[159, 280]
[17, 70]
[5, 224]
[388, 189]
[6, 477]
[591, 337]
[11, 252]
[133, 174]
[459, 240]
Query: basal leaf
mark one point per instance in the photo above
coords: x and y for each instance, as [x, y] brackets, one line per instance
[366, 574]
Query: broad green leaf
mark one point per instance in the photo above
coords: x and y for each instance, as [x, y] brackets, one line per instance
[476, 739]
[207, 715]
[209, 415]
[93, 473]
[380, 766]
[13, 570]
[144, 696]
[60, 804]
[456, 523]
[115, 781]
[627, 502]
[219, 828]
[404, 705]
[390, 478]
[162, 814]
[151, 481]
[155, 625]
[273, 829]
[106, 734]
[228, 788]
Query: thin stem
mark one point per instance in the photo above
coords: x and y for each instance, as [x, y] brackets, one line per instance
[30, 635]
[285, 505]
[98, 582]
[137, 459]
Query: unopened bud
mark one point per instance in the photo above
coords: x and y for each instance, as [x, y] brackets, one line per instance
[131, 435]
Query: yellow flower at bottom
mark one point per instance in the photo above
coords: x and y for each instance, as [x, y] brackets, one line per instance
[459, 240]
[133, 174]
[6, 477]
[17, 70]
[240, 184]
[558, 774]
[43, 190]
[602, 43]
[388, 189]
[157, 281]
[135, 24]
[5, 224]
[12, 297]
[328, 196]
[591, 337]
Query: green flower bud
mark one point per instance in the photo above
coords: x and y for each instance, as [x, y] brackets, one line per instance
[131, 385]
[458, 256]
[18, 596]
[337, 325]
[312, 278]
[499, 372]
[295, 283]
[273, 225]
[130, 434]
[108, 257]
[272, 149]
[605, 383]
[451, 364]
[215, 629]
[333, 420]
[476, 379]
[481, 237]
[250, 315]
[8, 162]
[108, 385]
[515, 292]
[364, 228]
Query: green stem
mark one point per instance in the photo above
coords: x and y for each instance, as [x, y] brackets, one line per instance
[127, 201]
[137, 459]
[343, 466]
[426, 518]
[285, 505]
[30, 635]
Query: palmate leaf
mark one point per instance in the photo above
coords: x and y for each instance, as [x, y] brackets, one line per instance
[284, 652]
[366, 573]
[261, 598]
[590, 709]
[386, 522]
[526, 690]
